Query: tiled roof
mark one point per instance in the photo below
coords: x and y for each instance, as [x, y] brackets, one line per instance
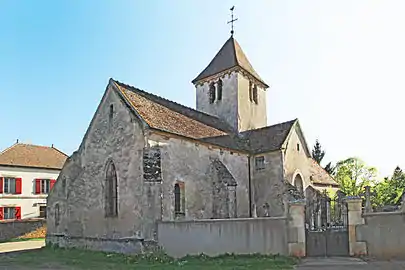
[320, 176]
[256, 140]
[229, 56]
[35, 156]
[166, 115]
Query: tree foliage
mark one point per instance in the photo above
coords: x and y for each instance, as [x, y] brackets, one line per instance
[390, 190]
[330, 169]
[317, 153]
[353, 175]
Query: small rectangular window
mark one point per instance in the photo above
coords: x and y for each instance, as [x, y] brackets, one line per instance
[259, 163]
[9, 185]
[298, 147]
[9, 212]
[42, 211]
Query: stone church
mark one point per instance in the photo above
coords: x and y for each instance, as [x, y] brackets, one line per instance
[145, 159]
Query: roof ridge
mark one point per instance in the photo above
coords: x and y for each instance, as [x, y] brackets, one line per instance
[278, 124]
[149, 95]
[8, 148]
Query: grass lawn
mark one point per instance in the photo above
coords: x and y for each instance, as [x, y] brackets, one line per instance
[55, 258]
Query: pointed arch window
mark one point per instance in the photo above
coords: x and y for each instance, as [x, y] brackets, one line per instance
[219, 90]
[212, 92]
[111, 192]
[179, 199]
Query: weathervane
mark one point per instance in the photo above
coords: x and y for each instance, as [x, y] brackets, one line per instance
[232, 20]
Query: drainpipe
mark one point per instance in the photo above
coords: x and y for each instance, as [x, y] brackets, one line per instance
[250, 188]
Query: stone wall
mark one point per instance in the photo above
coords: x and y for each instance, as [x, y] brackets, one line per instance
[268, 186]
[274, 235]
[383, 234]
[79, 191]
[25, 228]
[122, 245]
[219, 236]
[191, 163]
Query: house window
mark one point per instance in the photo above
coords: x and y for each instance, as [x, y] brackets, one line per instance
[211, 92]
[43, 186]
[111, 191]
[259, 163]
[42, 211]
[298, 147]
[255, 97]
[10, 185]
[219, 90]
[10, 213]
[179, 199]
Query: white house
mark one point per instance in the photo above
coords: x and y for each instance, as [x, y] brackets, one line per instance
[27, 174]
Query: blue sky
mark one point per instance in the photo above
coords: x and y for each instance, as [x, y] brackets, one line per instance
[338, 66]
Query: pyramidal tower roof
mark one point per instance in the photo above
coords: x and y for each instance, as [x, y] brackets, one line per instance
[229, 56]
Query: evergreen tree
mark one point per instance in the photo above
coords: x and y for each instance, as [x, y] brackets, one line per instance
[317, 152]
[330, 169]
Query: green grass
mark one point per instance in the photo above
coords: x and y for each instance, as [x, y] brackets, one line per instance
[79, 259]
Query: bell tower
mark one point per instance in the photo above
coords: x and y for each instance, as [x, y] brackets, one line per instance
[230, 89]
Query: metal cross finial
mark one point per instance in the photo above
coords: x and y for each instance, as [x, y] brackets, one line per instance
[232, 20]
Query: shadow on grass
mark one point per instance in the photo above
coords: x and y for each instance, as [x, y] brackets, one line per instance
[83, 259]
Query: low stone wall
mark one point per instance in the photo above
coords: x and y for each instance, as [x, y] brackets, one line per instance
[384, 234]
[219, 236]
[25, 228]
[123, 245]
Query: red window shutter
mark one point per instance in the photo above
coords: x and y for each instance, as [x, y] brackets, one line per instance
[18, 184]
[1, 213]
[37, 186]
[1, 184]
[53, 181]
[18, 212]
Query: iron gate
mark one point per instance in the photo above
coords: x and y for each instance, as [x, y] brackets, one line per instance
[326, 226]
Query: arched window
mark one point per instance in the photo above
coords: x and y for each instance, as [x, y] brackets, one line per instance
[179, 199]
[219, 90]
[255, 97]
[212, 92]
[111, 193]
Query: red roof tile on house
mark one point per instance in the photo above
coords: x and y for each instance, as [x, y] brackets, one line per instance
[35, 156]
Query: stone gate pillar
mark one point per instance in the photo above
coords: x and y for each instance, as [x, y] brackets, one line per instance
[356, 248]
[296, 228]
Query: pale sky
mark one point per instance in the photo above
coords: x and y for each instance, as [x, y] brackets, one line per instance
[339, 67]
[335, 65]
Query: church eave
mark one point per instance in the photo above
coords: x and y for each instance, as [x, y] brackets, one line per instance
[200, 81]
[196, 140]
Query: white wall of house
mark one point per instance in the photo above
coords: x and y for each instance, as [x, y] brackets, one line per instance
[28, 201]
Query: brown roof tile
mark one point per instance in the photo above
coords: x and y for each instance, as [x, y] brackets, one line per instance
[28, 155]
[172, 117]
[320, 176]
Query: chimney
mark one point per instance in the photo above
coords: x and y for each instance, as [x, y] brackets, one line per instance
[52, 146]
[17, 140]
